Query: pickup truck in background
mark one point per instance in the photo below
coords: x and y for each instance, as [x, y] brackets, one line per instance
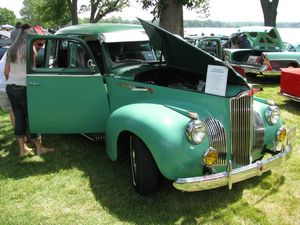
[267, 52]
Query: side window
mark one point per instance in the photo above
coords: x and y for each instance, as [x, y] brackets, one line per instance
[120, 51]
[67, 54]
[209, 46]
[63, 56]
[96, 51]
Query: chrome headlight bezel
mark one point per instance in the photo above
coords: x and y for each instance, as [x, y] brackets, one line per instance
[195, 131]
[272, 114]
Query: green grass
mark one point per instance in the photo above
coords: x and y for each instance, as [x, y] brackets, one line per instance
[78, 184]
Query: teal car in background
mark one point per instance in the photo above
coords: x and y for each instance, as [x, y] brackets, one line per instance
[177, 111]
[266, 54]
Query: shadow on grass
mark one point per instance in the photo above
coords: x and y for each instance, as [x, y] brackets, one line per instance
[267, 80]
[271, 86]
[111, 183]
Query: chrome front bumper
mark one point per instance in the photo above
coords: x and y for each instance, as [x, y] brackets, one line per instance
[233, 175]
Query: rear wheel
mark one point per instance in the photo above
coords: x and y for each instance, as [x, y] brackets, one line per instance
[145, 174]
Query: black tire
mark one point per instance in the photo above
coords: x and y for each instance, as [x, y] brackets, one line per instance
[145, 174]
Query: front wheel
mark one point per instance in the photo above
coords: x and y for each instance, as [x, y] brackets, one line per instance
[145, 174]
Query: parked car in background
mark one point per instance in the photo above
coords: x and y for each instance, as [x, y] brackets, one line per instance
[213, 46]
[177, 111]
[297, 47]
[292, 47]
[5, 39]
[290, 83]
[267, 54]
[3, 50]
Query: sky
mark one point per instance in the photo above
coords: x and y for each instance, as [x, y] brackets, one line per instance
[221, 10]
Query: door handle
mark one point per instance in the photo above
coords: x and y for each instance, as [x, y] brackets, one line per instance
[142, 89]
[139, 89]
[32, 83]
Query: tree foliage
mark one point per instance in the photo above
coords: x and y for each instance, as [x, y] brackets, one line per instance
[30, 12]
[55, 13]
[100, 8]
[7, 16]
[157, 6]
[51, 13]
[270, 11]
[170, 12]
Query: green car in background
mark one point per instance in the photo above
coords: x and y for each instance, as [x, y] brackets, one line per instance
[266, 53]
[177, 111]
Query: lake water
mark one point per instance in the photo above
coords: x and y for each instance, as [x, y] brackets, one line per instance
[291, 35]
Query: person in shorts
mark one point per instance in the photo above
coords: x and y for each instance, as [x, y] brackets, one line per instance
[15, 75]
[4, 101]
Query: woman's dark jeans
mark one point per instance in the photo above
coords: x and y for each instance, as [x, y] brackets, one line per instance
[18, 100]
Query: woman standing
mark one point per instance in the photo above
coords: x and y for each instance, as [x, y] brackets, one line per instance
[15, 74]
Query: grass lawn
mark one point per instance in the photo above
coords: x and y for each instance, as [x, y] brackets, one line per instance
[78, 184]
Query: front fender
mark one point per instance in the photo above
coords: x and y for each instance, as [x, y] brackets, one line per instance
[163, 131]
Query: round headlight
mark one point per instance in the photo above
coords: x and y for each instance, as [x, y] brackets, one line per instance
[195, 131]
[210, 157]
[272, 114]
[281, 134]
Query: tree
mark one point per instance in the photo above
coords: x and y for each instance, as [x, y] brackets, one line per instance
[7, 16]
[170, 12]
[55, 13]
[73, 10]
[30, 12]
[51, 13]
[269, 8]
[98, 8]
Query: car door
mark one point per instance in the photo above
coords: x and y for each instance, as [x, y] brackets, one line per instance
[65, 91]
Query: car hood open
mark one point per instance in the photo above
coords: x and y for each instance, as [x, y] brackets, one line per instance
[181, 54]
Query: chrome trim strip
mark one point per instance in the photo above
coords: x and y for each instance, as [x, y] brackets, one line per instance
[271, 73]
[258, 132]
[231, 176]
[295, 98]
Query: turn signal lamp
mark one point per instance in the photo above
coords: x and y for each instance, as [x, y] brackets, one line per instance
[281, 134]
[210, 157]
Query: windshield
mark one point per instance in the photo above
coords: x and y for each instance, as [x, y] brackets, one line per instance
[127, 51]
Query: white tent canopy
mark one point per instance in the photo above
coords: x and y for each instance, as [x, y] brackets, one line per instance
[7, 26]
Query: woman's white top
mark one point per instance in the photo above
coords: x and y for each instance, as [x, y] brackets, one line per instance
[2, 77]
[17, 74]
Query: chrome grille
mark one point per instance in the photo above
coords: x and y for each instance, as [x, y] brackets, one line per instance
[241, 129]
[217, 138]
[258, 132]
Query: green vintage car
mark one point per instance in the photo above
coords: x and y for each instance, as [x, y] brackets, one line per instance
[265, 54]
[179, 112]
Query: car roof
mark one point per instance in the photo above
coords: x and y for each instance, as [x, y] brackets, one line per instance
[94, 29]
